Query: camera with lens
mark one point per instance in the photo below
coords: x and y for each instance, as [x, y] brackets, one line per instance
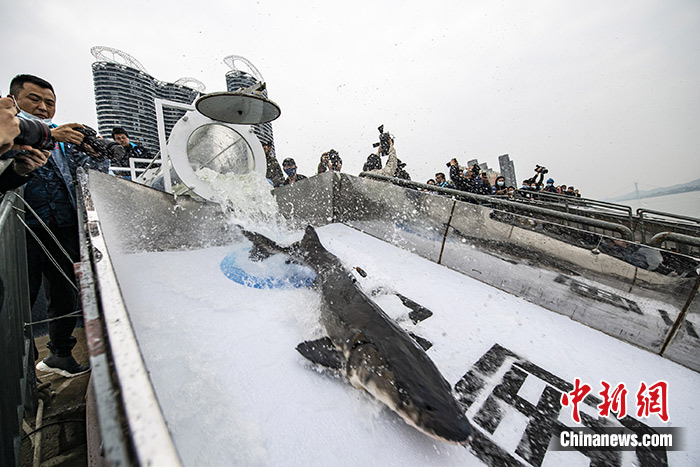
[541, 169]
[34, 133]
[109, 149]
[385, 140]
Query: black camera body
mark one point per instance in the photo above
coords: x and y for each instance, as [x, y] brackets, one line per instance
[35, 133]
[109, 149]
[541, 169]
[384, 140]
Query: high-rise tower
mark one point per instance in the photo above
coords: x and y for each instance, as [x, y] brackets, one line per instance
[236, 79]
[508, 170]
[125, 93]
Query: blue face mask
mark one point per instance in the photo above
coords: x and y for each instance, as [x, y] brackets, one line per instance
[28, 116]
[499, 183]
[290, 171]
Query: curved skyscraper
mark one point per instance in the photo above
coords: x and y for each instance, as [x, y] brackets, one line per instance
[236, 79]
[125, 93]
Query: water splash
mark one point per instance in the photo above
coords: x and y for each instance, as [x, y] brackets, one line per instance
[248, 201]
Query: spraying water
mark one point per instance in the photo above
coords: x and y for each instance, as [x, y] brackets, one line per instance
[248, 201]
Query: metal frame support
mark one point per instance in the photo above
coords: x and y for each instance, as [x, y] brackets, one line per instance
[162, 139]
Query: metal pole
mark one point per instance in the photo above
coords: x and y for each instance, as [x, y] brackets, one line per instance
[164, 155]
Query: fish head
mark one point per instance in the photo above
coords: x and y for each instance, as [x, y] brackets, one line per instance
[434, 413]
[427, 404]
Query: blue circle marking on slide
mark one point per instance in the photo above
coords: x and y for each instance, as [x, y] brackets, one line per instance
[272, 273]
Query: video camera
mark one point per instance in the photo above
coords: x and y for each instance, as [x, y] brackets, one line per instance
[541, 169]
[34, 133]
[109, 149]
[385, 140]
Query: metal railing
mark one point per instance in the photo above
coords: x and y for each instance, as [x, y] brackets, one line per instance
[681, 232]
[572, 203]
[507, 204]
[17, 377]
[134, 171]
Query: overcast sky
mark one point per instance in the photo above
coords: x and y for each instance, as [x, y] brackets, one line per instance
[603, 93]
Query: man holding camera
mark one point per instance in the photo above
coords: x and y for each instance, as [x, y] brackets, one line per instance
[131, 149]
[386, 148]
[51, 194]
[14, 171]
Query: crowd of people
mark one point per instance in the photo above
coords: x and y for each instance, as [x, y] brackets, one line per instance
[470, 179]
[473, 179]
[331, 161]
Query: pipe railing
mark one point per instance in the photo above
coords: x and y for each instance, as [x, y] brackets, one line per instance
[641, 212]
[567, 200]
[624, 231]
[662, 237]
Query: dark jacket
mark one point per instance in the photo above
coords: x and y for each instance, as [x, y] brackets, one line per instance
[274, 171]
[51, 189]
[299, 177]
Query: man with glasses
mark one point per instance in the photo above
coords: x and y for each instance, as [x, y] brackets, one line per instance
[51, 195]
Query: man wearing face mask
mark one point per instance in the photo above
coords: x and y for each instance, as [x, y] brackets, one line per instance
[290, 168]
[51, 194]
[549, 187]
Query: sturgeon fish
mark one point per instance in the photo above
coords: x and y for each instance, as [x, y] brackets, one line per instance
[370, 349]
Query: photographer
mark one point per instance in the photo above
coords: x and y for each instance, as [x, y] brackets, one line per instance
[374, 162]
[484, 188]
[14, 171]
[324, 164]
[457, 177]
[131, 150]
[392, 162]
[536, 185]
[51, 194]
[335, 160]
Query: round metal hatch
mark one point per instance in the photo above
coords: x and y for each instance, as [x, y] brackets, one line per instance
[197, 143]
[239, 108]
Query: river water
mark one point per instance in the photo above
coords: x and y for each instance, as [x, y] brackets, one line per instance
[685, 204]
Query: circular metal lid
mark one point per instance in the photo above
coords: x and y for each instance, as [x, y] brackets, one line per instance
[238, 108]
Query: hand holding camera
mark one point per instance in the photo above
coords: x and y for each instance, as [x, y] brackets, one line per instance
[9, 123]
[386, 140]
[68, 133]
[96, 146]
